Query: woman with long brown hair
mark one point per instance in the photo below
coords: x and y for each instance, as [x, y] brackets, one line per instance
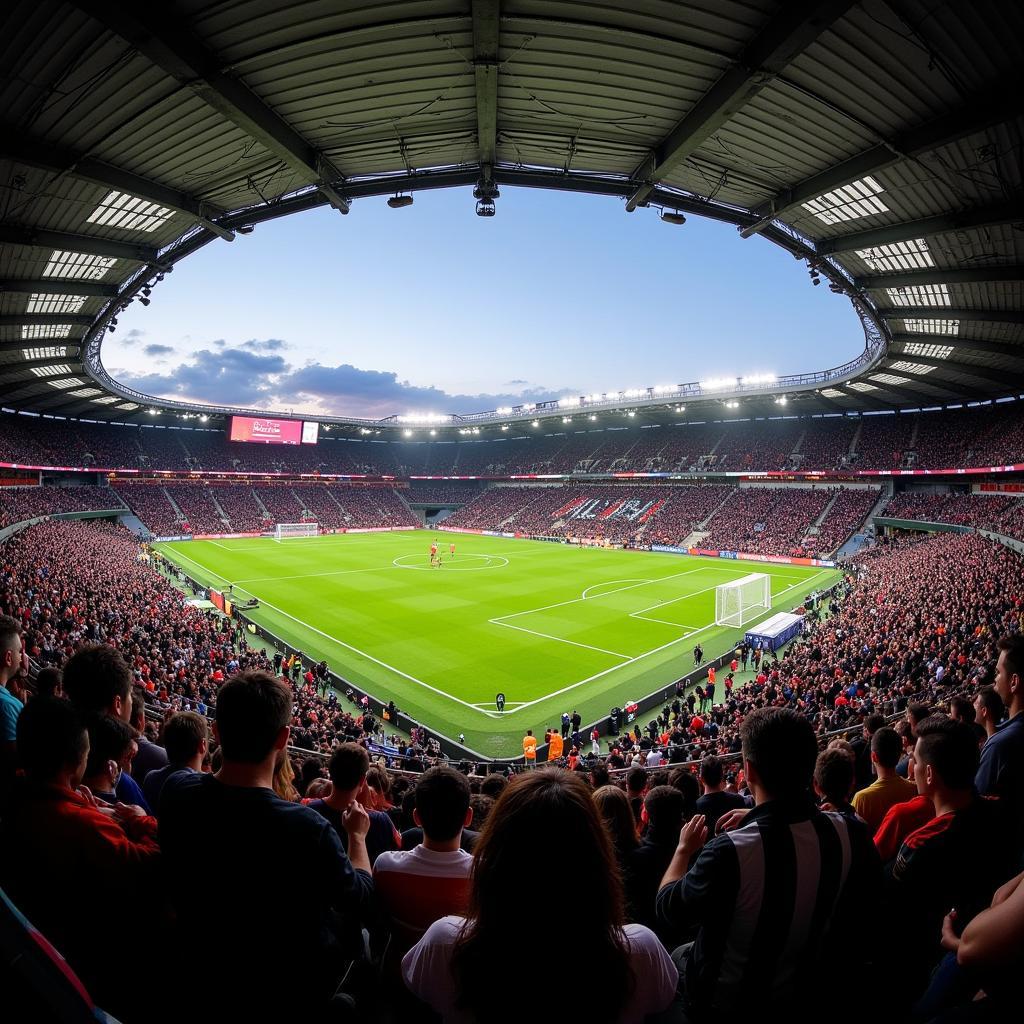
[546, 897]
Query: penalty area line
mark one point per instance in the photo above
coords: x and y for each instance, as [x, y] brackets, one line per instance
[341, 643]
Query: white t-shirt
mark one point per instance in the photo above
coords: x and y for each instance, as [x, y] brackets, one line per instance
[426, 969]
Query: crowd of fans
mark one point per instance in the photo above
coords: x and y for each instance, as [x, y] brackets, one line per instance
[441, 494]
[766, 520]
[746, 861]
[999, 512]
[980, 436]
[849, 510]
[170, 510]
[20, 503]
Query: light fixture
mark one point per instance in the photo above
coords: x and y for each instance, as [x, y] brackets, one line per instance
[485, 192]
[396, 202]
[567, 419]
[593, 417]
[407, 433]
[204, 418]
[246, 229]
[535, 423]
[673, 217]
[433, 433]
[146, 290]
[631, 413]
[144, 300]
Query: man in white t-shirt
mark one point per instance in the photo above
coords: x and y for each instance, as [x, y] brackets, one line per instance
[419, 886]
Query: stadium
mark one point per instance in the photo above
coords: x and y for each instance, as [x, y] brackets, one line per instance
[671, 696]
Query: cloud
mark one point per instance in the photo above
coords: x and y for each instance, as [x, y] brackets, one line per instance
[264, 344]
[516, 383]
[133, 336]
[255, 374]
[349, 389]
[229, 376]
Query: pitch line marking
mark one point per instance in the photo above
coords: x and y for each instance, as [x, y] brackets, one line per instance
[646, 654]
[341, 643]
[500, 562]
[576, 600]
[585, 595]
[509, 709]
[560, 639]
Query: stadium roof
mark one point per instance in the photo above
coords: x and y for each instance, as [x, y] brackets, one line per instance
[881, 142]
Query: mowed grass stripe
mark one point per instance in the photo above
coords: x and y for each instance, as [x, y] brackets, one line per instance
[342, 598]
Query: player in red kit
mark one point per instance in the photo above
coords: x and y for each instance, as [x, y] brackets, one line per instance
[451, 550]
[433, 553]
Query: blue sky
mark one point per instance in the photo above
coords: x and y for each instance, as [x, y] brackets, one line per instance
[433, 309]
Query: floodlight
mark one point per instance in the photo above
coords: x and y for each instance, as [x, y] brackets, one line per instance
[247, 229]
[433, 433]
[535, 423]
[407, 433]
[675, 217]
[396, 202]
[144, 300]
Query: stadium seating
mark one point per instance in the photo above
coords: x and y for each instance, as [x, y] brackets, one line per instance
[979, 436]
[20, 503]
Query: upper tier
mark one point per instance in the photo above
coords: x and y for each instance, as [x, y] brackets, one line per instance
[971, 437]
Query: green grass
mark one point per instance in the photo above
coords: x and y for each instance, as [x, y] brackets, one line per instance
[553, 627]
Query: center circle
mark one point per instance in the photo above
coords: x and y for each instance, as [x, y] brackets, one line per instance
[490, 562]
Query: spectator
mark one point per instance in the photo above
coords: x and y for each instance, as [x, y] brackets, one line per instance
[717, 800]
[957, 860]
[900, 821]
[112, 747]
[452, 967]
[834, 781]
[873, 803]
[11, 659]
[663, 810]
[98, 681]
[768, 933]
[232, 832]
[67, 862]
[613, 806]
[419, 886]
[988, 709]
[1001, 771]
[186, 739]
[150, 756]
[636, 786]
[348, 768]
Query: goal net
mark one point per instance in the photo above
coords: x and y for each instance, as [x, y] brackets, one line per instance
[742, 600]
[288, 531]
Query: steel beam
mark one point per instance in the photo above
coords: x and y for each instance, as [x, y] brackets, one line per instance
[486, 29]
[21, 147]
[976, 217]
[936, 275]
[17, 346]
[46, 319]
[787, 34]
[19, 234]
[160, 34]
[995, 348]
[1002, 377]
[28, 364]
[994, 316]
[59, 286]
[990, 108]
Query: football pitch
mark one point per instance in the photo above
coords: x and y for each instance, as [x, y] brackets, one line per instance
[553, 627]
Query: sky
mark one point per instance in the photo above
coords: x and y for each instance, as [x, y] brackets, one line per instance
[431, 309]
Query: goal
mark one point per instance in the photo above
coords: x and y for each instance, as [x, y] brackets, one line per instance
[288, 531]
[740, 601]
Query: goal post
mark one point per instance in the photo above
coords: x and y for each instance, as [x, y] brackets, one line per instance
[289, 531]
[740, 601]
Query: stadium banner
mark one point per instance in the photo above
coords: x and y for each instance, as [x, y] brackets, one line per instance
[223, 536]
[998, 488]
[376, 529]
[746, 556]
[183, 536]
[217, 599]
[458, 529]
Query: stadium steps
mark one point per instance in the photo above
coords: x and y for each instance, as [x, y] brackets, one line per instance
[263, 508]
[695, 539]
[216, 504]
[799, 444]
[878, 507]
[912, 443]
[173, 504]
[825, 511]
[703, 525]
[333, 498]
[855, 440]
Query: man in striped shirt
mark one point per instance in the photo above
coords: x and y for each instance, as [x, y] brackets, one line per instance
[777, 903]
